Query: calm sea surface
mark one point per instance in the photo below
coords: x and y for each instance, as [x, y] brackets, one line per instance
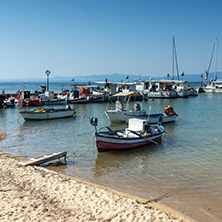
[187, 163]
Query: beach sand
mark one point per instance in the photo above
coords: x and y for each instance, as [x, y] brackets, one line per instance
[37, 194]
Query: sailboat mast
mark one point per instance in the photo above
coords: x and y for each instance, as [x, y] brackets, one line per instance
[215, 73]
[173, 61]
[208, 70]
[175, 53]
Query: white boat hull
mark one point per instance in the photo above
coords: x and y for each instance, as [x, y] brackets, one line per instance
[193, 92]
[153, 118]
[162, 94]
[79, 100]
[120, 116]
[182, 94]
[30, 115]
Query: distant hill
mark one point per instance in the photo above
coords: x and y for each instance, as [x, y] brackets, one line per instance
[115, 77]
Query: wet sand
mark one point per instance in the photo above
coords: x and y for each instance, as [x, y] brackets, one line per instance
[37, 194]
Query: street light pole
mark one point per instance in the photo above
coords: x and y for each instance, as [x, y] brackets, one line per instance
[201, 80]
[168, 76]
[47, 72]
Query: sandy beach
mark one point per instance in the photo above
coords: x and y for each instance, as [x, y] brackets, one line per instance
[37, 194]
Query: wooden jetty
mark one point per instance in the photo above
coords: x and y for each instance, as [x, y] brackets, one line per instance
[44, 159]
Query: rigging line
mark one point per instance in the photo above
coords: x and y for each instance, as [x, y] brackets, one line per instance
[84, 133]
[175, 53]
[215, 74]
[84, 151]
[173, 61]
[107, 106]
[211, 58]
[109, 101]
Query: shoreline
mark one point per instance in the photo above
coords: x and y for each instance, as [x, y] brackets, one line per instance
[35, 193]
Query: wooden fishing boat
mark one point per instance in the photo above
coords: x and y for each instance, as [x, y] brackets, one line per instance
[118, 114]
[168, 116]
[96, 98]
[153, 118]
[48, 98]
[26, 99]
[48, 114]
[55, 102]
[138, 133]
[30, 101]
[82, 99]
[10, 102]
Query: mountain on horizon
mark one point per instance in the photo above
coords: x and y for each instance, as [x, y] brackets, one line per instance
[115, 77]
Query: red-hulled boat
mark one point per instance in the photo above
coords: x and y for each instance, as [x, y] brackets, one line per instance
[138, 133]
[26, 100]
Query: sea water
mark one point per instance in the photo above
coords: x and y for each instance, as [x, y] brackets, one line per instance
[185, 168]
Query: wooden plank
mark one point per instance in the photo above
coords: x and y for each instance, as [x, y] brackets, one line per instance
[44, 159]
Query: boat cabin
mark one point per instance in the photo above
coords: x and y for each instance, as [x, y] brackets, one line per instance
[109, 87]
[136, 127]
[142, 86]
[47, 95]
[137, 124]
[126, 87]
[24, 94]
[158, 85]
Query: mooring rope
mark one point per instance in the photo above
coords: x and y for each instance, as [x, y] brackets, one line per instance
[84, 153]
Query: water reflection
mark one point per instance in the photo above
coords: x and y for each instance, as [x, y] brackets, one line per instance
[134, 159]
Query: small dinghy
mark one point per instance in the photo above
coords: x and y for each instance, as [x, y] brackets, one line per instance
[138, 133]
[47, 114]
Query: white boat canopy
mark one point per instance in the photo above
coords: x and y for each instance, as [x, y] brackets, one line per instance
[166, 81]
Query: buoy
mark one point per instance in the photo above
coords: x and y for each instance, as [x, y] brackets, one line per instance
[152, 99]
[82, 116]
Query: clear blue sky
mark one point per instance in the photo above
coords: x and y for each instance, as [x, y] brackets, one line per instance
[87, 37]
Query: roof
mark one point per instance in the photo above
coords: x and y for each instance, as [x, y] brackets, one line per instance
[116, 83]
[104, 82]
[166, 81]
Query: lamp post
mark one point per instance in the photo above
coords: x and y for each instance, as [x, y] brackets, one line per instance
[47, 72]
[182, 75]
[168, 76]
[201, 80]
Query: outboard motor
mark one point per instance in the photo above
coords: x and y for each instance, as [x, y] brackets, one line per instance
[169, 111]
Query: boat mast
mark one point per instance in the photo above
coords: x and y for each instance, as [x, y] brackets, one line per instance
[215, 73]
[208, 70]
[175, 53]
[173, 61]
